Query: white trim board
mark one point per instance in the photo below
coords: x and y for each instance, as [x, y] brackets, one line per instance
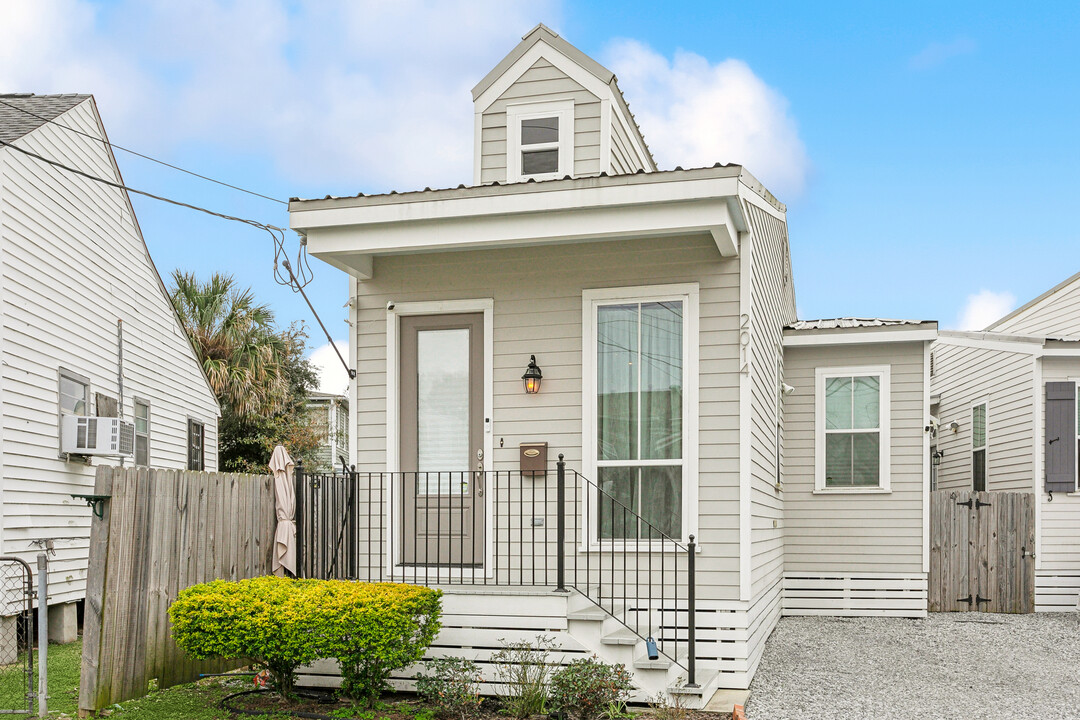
[884, 372]
[852, 336]
[689, 293]
[393, 396]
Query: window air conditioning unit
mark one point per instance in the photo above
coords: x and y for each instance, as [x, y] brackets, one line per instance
[82, 435]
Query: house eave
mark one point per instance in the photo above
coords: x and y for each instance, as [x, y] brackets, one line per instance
[850, 336]
[348, 233]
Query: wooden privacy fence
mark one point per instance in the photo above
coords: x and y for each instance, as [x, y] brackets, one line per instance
[982, 551]
[162, 531]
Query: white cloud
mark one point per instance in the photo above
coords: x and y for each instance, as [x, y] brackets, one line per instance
[332, 375]
[937, 53]
[365, 94]
[694, 113]
[983, 308]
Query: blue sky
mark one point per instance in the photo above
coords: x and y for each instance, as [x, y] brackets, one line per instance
[927, 152]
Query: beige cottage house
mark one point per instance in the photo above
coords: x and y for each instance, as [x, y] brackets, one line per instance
[725, 464]
[1005, 401]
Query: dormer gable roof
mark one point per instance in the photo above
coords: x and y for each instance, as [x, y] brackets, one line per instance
[543, 42]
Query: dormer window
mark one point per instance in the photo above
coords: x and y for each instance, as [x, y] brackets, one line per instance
[540, 142]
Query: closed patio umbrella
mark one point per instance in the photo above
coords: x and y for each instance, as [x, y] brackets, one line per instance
[285, 501]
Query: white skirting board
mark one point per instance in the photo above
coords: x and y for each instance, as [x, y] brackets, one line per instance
[1056, 590]
[883, 594]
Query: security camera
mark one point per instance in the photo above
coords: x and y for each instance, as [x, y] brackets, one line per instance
[390, 306]
[786, 389]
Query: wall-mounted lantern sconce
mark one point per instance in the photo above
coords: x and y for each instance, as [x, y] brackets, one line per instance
[532, 377]
[936, 457]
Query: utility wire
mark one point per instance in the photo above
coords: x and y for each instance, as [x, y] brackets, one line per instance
[278, 234]
[139, 154]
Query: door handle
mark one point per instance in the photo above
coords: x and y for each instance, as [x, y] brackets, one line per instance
[478, 476]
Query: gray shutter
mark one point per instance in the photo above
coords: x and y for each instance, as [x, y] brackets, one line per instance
[1060, 437]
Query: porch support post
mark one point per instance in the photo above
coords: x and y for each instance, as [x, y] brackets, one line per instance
[560, 525]
[691, 613]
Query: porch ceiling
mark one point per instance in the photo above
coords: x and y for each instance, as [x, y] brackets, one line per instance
[349, 235]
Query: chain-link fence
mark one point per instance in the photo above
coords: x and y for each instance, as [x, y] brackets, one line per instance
[18, 686]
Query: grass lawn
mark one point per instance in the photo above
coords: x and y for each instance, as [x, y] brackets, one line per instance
[195, 702]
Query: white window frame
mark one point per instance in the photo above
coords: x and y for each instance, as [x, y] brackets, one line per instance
[985, 447]
[135, 403]
[61, 375]
[688, 294]
[884, 375]
[561, 109]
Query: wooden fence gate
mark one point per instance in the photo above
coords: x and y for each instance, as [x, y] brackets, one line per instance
[982, 551]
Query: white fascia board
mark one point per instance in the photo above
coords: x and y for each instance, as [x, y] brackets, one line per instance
[854, 337]
[351, 244]
[541, 49]
[988, 341]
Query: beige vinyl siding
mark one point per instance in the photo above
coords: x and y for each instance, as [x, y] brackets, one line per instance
[858, 532]
[537, 294]
[623, 157]
[72, 264]
[963, 376]
[1055, 316]
[769, 312]
[541, 83]
[1060, 521]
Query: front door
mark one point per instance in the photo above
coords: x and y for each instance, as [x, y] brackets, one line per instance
[442, 484]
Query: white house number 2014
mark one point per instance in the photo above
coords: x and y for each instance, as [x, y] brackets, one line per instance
[744, 343]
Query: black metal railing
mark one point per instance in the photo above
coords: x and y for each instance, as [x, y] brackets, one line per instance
[502, 528]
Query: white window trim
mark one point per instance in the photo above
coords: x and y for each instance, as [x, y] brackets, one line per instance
[61, 374]
[688, 293]
[985, 447]
[135, 402]
[564, 111]
[884, 373]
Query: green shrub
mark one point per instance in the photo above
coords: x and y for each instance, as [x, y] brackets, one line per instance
[522, 672]
[282, 624]
[373, 629]
[267, 620]
[453, 687]
[586, 688]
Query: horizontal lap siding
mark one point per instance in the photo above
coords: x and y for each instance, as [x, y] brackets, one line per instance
[541, 83]
[72, 263]
[537, 299]
[1059, 550]
[623, 157]
[1055, 316]
[855, 533]
[964, 375]
[769, 312]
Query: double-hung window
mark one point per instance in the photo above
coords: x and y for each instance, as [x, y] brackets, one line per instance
[74, 398]
[852, 429]
[644, 389]
[540, 141]
[978, 446]
[142, 432]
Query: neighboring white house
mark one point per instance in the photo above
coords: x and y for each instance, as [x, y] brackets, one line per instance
[1006, 403]
[330, 413]
[85, 322]
[660, 307]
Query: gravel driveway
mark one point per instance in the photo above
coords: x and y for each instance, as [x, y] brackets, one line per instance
[950, 665]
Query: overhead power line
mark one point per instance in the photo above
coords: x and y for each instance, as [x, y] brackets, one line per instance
[296, 284]
[139, 154]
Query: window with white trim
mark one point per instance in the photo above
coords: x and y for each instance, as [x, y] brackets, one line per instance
[978, 446]
[142, 432]
[852, 429]
[644, 386]
[540, 141]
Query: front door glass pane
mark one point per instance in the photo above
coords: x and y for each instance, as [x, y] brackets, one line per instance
[442, 365]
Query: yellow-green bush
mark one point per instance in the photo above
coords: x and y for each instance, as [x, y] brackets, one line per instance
[281, 623]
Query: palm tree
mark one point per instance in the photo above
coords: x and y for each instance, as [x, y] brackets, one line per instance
[240, 350]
